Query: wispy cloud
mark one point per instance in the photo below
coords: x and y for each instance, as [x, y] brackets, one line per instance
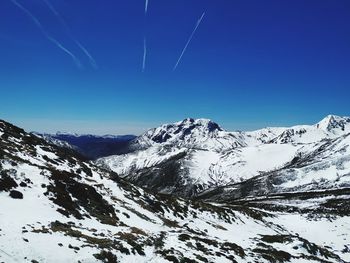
[144, 43]
[146, 6]
[69, 32]
[189, 40]
[144, 54]
[87, 53]
[46, 34]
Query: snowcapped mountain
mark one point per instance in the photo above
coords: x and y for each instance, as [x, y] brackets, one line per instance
[57, 207]
[330, 127]
[335, 124]
[323, 166]
[191, 156]
[198, 134]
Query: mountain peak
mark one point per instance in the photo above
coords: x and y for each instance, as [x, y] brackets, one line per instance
[331, 122]
[188, 132]
[205, 123]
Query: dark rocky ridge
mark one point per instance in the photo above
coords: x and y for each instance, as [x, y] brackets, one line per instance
[92, 146]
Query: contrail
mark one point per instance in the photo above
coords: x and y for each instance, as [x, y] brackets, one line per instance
[144, 54]
[50, 38]
[68, 31]
[146, 6]
[144, 42]
[189, 41]
[91, 59]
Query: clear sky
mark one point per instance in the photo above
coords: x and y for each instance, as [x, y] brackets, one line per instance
[250, 64]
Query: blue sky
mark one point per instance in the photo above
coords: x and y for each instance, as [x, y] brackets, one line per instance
[250, 64]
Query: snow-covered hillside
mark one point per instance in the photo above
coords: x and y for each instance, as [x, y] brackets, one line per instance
[56, 207]
[199, 134]
[329, 128]
[190, 156]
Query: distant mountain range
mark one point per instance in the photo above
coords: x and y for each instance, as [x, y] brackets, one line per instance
[92, 146]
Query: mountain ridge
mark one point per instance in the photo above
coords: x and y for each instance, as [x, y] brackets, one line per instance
[91, 146]
[198, 157]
